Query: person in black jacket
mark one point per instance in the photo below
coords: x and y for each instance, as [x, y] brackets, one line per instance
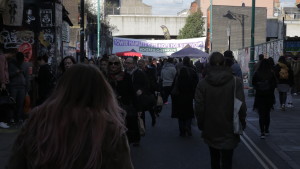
[46, 79]
[264, 82]
[182, 94]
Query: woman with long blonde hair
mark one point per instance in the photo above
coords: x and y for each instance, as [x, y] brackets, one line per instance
[79, 126]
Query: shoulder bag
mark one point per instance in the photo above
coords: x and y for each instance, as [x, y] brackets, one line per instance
[237, 126]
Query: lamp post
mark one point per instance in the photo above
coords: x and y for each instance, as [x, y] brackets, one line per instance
[82, 30]
[251, 62]
[228, 34]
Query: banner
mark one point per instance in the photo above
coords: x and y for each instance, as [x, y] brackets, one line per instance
[156, 48]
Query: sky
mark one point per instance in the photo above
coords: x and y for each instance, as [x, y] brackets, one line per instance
[168, 7]
[172, 7]
[288, 3]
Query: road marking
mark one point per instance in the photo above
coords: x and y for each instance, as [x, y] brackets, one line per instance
[259, 151]
[255, 154]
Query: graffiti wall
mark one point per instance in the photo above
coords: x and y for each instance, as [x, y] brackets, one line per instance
[270, 49]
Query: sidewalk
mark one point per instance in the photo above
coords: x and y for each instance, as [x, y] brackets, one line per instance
[284, 136]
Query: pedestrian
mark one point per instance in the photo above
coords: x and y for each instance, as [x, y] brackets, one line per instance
[65, 64]
[121, 82]
[150, 86]
[103, 65]
[235, 67]
[85, 127]
[18, 85]
[168, 73]
[182, 94]
[46, 79]
[214, 105]
[285, 79]
[264, 83]
[4, 80]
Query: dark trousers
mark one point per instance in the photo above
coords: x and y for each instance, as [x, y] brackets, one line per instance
[264, 118]
[152, 114]
[221, 159]
[166, 93]
[282, 97]
[185, 126]
[18, 93]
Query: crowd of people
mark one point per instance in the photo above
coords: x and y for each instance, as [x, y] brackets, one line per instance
[87, 114]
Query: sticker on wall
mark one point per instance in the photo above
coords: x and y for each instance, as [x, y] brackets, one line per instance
[46, 17]
[13, 14]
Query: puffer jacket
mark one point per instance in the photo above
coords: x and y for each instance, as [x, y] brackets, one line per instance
[214, 107]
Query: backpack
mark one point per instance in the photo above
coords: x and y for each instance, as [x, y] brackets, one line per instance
[284, 73]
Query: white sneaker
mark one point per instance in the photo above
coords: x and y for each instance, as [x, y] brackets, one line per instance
[4, 125]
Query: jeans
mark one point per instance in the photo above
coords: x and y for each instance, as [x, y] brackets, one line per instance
[18, 93]
[220, 159]
[282, 97]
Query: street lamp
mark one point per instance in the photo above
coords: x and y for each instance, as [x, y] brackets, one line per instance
[228, 34]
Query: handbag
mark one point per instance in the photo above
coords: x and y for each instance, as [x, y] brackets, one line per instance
[142, 129]
[237, 103]
[6, 99]
[159, 100]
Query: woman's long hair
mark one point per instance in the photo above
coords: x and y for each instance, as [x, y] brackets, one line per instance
[73, 120]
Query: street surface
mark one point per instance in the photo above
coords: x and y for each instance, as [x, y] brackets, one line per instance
[162, 148]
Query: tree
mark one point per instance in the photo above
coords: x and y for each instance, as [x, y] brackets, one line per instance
[193, 27]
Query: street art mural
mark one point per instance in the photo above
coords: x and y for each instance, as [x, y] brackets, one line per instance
[26, 49]
[13, 13]
[272, 49]
[14, 38]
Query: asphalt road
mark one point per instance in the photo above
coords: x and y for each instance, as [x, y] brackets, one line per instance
[162, 148]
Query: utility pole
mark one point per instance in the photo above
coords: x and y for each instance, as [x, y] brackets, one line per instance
[251, 62]
[82, 31]
[98, 29]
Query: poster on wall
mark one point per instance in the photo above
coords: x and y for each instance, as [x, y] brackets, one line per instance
[156, 48]
[30, 16]
[46, 17]
[13, 13]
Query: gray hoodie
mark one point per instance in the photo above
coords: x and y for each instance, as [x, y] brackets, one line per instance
[168, 73]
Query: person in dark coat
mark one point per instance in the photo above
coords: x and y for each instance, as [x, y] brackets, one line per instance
[18, 84]
[84, 127]
[183, 96]
[264, 83]
[46, 79]
[214, 105]
[121, 82]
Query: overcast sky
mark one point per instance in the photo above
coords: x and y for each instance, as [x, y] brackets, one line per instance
[172, 7]
[168, 7]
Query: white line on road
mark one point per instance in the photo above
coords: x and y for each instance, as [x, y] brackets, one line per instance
[259, 151]
[255, 154]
